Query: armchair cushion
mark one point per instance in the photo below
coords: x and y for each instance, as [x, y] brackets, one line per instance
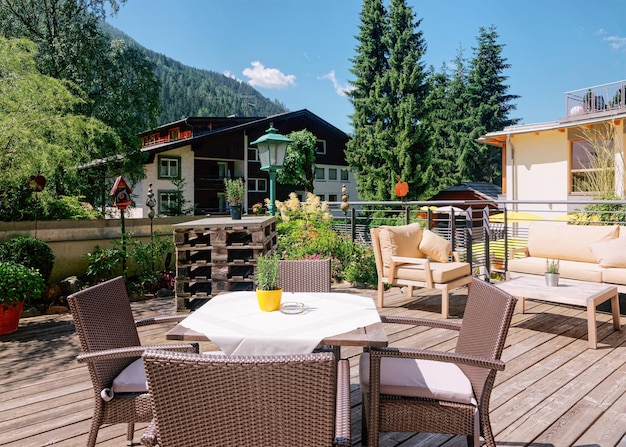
[403, 240]
[434, 246]
[443, 272]
[132, 379]
[419, 378]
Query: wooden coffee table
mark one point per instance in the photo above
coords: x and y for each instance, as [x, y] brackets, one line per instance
[569, 291]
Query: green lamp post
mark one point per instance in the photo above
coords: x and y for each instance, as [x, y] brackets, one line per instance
[272, 147]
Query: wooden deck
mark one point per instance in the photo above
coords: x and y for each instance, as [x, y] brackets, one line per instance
[554, 391]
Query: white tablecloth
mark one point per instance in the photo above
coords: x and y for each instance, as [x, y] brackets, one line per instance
[234, 322]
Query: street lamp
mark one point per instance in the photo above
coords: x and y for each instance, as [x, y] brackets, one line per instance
[272, 147]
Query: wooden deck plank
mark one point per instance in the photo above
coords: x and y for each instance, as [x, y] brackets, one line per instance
[554, 391]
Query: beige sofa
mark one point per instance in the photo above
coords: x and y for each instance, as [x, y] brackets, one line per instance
[594, 253]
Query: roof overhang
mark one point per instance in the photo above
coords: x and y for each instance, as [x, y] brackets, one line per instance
[499, 138]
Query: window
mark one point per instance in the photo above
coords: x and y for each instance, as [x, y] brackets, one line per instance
[168, 201]
[169, 167]
[322, 197]
[257, 185]
[319, 174]
[593, 166]
[332, 174]
[253, 154]
[222, 170]
[221, 201]
[320, 147]
[174, 133]
[332, 197]
[344, 175]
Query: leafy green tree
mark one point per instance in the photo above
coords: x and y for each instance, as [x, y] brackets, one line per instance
[120, 87]
[364, 151]
[489, 106]
[299, 164]
[40, 133]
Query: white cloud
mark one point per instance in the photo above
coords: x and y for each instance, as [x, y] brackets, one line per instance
[261, 76]
[230, 74]
[341, 90]
[616, 42]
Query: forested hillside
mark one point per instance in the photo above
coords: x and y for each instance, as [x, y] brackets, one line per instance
[187, 91]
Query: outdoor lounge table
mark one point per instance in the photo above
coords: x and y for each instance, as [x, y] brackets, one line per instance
[234, 322]
[569, 291]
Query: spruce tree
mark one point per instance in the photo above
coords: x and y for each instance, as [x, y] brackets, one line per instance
[489, 106]
[407, 153]
[390, 88]
[363, 152]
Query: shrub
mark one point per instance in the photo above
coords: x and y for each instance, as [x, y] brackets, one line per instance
[19, 283]
[361, 268]
[30, 252]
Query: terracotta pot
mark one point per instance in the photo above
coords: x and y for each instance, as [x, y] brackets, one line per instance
[10, 317]
[269, 300]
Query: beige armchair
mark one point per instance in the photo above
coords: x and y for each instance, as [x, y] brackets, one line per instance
[410, 256]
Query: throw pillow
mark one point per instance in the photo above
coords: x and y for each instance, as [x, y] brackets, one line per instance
[435, 247]
[402, 240]
[610, 253]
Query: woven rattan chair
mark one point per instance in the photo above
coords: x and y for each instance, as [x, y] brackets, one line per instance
[110, 347]
[440, 392]
[305, 275]
[199, 400]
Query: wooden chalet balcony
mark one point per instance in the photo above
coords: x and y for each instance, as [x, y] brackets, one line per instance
[599, 100]
[554, 390]
[158, 139]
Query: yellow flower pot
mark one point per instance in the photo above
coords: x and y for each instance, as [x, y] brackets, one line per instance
[269, 300]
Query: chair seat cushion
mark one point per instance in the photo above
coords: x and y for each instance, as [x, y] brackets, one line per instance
[419, 378]
[443, 272]
[132, 379]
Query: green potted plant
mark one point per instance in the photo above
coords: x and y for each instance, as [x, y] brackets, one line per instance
[18, 285]
[267, 278]
[235, 192]
[552, 272]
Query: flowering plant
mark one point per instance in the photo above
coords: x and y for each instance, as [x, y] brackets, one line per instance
[257, 208]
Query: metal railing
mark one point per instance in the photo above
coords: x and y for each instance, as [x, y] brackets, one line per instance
[599, 99]
[482, 232]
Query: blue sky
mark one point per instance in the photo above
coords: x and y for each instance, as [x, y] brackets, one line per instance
[299, 51]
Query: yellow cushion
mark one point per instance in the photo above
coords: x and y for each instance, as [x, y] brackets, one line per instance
[434, 246]
[443, 272]
[402, 240]
[567, 242]
[610, 253]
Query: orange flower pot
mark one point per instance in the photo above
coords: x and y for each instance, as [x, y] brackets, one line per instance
[10, 317]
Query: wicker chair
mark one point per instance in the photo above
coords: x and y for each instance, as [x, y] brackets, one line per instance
[305, 275]
[110, 347]
[199, 400]
[440, 392]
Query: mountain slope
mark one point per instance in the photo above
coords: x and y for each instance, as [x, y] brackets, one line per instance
[187, 91]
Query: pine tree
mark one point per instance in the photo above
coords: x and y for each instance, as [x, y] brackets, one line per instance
[489, 107]
[390, 88]
[369, 66]
[407, 157]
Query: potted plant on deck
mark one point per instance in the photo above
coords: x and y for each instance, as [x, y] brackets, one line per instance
[234, 189]
[18, 284]
[552, 272]
[267, 278]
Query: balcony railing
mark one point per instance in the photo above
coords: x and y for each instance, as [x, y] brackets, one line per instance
[482, 232]
[600, 99]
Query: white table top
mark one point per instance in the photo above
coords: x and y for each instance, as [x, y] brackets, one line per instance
[234, 322]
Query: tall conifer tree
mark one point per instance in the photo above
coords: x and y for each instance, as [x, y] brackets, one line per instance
[489, 106]
[407, 155]
[369, 66]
